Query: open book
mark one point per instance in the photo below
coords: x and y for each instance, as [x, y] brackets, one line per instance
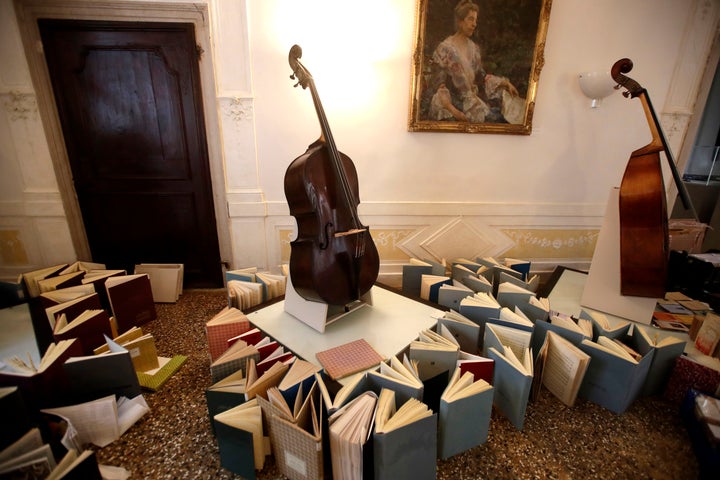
[464, 414]
[241, 439]
[350, 428]
[295, 429]
[404, 440]
[99, 422]
[561, 367]
[514, 370]
[616, 373]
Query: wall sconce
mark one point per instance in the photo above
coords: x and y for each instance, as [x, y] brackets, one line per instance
[596, 86]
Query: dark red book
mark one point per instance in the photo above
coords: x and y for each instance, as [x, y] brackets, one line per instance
[90, 328]
[131, 300]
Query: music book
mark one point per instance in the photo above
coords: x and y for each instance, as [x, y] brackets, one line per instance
[602, 327]
[666, 351]
[349, 358]
[83, 266]
[131, 300]
[244, 295]
[402, 378]
[464, 398]
[224, 325]
[430, 286]
[561, 367]
[100, 421]
[512, 383]
[27, 457]
[55, 297]
[450, 295]
[481, 367]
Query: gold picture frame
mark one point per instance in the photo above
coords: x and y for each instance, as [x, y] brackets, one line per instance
[505, 58]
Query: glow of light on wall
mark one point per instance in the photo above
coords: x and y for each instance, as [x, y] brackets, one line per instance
[345, 44]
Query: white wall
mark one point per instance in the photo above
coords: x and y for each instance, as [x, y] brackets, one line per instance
[424, 194]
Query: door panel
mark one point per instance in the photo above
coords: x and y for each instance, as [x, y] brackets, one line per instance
[128, 97]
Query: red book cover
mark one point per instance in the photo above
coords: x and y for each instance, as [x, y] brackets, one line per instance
[90, 332]
[225, 325]
[131, 300]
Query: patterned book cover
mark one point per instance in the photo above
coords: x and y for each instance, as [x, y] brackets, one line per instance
[348, 358]
[219, 334]
[154, 381]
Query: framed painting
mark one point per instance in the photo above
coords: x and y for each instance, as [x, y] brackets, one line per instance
[476, 65]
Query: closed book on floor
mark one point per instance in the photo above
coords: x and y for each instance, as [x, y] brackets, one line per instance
[131, 300]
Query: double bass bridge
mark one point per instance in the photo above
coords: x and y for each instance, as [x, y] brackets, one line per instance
[359, 242]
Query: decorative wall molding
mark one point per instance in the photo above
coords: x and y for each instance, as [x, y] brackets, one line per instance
[237, 109]
[20, 105]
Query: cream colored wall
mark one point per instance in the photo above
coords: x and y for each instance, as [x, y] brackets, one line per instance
[436, 195]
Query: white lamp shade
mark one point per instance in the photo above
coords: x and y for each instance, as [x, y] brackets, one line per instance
[596, 85]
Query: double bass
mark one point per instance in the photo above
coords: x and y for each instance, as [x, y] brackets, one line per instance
[644, 240]
[333, 258]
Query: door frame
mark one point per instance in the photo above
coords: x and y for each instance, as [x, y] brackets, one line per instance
[29, 11]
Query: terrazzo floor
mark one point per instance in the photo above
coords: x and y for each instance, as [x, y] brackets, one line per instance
[174, 441]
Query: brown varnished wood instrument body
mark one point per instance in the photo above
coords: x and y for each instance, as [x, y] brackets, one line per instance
[644, 240]
[333, 259]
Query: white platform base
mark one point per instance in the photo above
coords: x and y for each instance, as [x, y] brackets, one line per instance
[389, 326]
[318, 315]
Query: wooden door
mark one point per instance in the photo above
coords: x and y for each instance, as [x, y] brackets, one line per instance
[129, 102]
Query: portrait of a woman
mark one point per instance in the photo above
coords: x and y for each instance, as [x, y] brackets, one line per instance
[463, 91]
[476, 64]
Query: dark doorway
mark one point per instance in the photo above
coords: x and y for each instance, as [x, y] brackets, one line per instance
[129, 102]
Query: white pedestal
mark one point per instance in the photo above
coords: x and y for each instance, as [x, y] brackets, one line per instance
[602, 288]
[389, 326]
[318, 315]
